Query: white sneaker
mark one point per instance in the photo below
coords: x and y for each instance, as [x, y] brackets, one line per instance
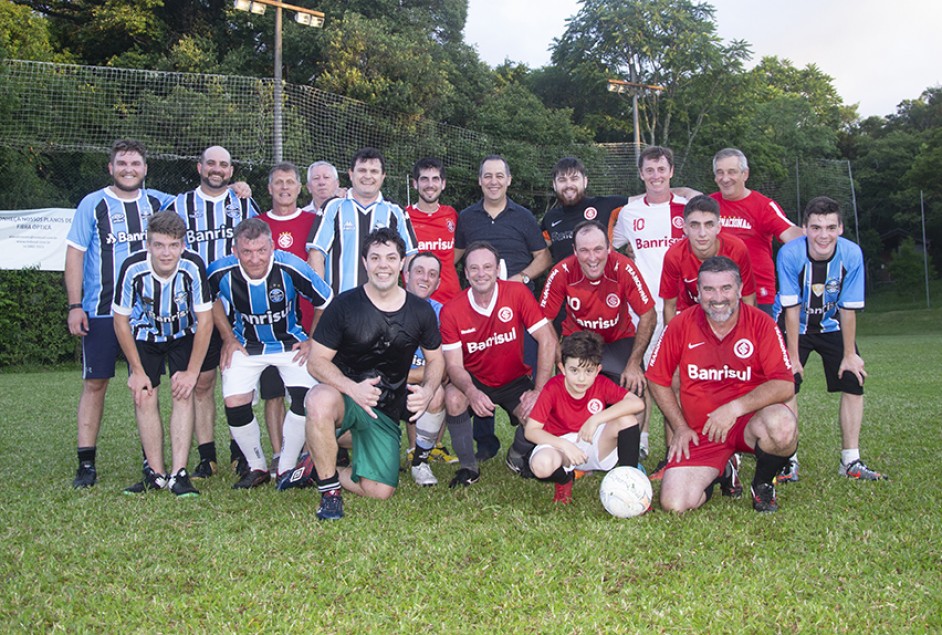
[422, 475]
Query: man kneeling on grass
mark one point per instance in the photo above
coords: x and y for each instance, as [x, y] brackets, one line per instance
[362, 352]
[582, 420]
[163, 316]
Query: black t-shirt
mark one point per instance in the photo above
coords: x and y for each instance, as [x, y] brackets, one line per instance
[371, 343]
[559, 222]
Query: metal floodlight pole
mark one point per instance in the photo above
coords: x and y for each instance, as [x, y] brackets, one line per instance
[925, 246]
[278, 142]
[307, 17]
[633, 88]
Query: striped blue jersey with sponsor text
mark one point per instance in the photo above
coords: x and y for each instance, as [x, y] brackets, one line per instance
[211, 221]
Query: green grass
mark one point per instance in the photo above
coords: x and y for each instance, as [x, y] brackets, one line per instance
[498, 557]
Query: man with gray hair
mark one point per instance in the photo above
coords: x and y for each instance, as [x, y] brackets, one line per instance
[323, 183]
[256, 314]
[751, 217]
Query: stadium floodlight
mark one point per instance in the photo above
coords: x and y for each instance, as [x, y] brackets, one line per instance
[249, 5]
[308, 19]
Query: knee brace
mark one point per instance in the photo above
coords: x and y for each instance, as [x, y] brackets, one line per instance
[239, 416]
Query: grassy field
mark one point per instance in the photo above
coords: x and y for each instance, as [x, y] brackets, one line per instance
[840, 556]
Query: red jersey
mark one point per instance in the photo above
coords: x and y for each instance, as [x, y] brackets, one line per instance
[681, 266]
[290, 234]
[491, 339]
[714, 372]
[561, 413]
[597, 305]
[436, 233]
[755, 220]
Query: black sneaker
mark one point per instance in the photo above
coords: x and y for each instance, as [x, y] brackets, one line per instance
[763, 498]
[331, 507]
[253, 478]
[85, 475]
[150, 480]
[240, 466]
[299, 477]
[730, 485]
[181, 486]
[205, 469]
[519, 465]
[465, 477]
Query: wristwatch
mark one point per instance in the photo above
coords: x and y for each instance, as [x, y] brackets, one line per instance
[524, 278]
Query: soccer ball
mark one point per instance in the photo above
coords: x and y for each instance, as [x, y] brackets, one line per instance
[626, 492]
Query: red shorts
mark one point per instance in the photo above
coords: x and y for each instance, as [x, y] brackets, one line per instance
[715, 455]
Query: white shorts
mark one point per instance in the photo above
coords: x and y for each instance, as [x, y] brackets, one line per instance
[593, 462]
[243, 373]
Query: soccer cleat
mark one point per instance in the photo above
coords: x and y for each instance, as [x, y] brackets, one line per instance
[205, 469]
[181, 486]
[658, 472]
[300, 477]
[253, 478]
[85, 475]
[485, 454]
[440, 453]
[422, 475]
[858, 470]
[465, 477]
[563, 492]
[730, 485]
[331, 507]
[240, 466]
[763, 498]
[789, 473]
[519, 465]
[150, 480]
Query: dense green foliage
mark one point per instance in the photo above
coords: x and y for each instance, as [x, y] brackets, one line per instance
[25, 337]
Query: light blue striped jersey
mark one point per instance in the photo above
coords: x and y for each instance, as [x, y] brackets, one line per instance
[342, 230]
[162, 310]
[820, 287]
[418, 360]
[108, 230]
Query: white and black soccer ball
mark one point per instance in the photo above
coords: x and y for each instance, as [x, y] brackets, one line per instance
[626, 492]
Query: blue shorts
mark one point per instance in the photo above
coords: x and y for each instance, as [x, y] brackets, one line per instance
[100, 349]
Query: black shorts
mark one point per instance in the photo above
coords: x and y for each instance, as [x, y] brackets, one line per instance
[830, 346]
[615, 357]
[214, 352]
[270, 384]
[156, 356]
[508, 395]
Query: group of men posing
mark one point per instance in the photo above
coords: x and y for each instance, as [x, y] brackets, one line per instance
[307, 302]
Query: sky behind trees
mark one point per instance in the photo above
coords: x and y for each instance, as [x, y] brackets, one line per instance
[878, 53]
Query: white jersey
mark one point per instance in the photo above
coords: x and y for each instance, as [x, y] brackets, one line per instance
[650, 229]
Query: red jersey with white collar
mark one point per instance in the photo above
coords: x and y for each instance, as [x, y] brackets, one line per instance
[714, 372]
[597, 305]
[290, 233]
[436, 233]
[561, 413]
[681, 267]
[755, 220]
[491, 338]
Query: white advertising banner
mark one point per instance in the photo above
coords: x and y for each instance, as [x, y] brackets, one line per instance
[34, 238]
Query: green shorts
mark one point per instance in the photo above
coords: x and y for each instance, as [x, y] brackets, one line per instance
[375, 444]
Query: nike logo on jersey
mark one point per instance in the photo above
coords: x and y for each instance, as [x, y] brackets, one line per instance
[555, 223]
[691, 281]
[689, 346]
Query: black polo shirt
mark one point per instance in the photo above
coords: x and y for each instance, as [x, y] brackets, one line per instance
[514, 233]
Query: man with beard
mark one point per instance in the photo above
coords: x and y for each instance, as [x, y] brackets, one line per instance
[570, 183]
[435, 223]
[735, 379]
[211, 213]
[108, 226]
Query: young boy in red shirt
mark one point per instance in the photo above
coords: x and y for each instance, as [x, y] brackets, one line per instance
[581, 420]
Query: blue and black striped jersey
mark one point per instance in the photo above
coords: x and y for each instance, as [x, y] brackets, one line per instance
[264, 313]
[820, 287]
[342, 230]
[162, 310]
[108, 230]
[211, 221]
